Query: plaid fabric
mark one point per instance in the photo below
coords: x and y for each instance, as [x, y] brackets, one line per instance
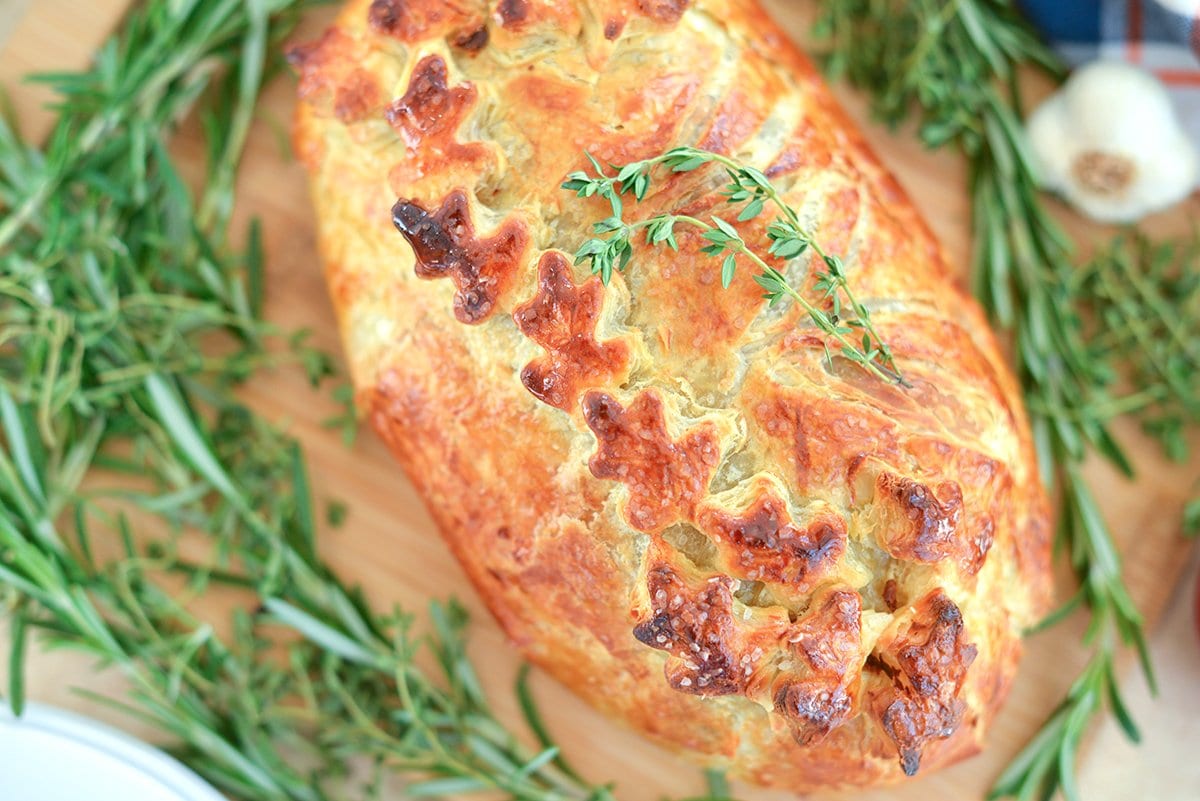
[1161, 36]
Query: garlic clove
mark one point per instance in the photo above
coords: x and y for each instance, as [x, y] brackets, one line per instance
[1048, 131]
[1110, 143]
[1117, 107]
[1169, 175]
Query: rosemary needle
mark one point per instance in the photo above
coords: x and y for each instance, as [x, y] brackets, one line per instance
[114, 280]
[953, 65]
[111, 276]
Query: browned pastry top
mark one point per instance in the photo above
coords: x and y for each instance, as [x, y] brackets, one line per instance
[681, 502]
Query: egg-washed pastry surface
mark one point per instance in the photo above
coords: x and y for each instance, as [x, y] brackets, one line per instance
[677, 500]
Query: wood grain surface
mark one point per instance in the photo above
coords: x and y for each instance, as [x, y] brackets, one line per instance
[389, 544]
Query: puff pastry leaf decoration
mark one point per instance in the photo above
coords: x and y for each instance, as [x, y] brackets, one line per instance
[667, 493]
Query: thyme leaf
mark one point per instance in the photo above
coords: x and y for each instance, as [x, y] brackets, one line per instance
[128, 321]
[847, 320]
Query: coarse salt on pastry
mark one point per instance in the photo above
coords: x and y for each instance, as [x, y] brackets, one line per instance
[667, 493]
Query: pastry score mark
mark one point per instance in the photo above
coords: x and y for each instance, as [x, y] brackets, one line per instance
[921, 526]
[692, 619]
[763, 543]
[664, 10]
[331, 79]
[986, 487]
[808, 147]
[512, 13]
[839, 219]
[427, 118]
[445, 245]
[827, 642]
[472, 41]
[562, 318]
[413, 20]
[809, 669]
[732, 124]
[927, 665]
[666, 478]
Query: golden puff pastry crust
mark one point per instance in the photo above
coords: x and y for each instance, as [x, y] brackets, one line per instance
[668, 494]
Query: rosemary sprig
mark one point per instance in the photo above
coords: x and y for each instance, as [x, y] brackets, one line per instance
[113, 277]
[1047, 763]
[954, 64]
[1143, 326]
[752, 190]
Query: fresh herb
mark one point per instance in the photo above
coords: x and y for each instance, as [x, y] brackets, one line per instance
[846, 320]
[1142, 302]
[335, 513]
[119, 427]
[127, 324]
[1047, 763]
[1143, 325]
[954, 64]
[1191, 518]
[346, 420]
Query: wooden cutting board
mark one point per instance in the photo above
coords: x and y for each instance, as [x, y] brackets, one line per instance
[389, 543]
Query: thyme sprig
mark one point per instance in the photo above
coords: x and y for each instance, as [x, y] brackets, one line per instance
[114, 281]
[847, 320]
[127, 320]
[953, 65]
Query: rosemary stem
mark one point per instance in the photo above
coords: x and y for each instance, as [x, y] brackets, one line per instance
[1174, 323]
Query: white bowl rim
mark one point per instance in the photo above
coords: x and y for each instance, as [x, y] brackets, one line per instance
[114, 745]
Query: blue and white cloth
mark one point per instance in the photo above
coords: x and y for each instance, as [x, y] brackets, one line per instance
[1160, 36]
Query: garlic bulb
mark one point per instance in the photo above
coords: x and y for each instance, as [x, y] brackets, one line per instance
[1110, 143]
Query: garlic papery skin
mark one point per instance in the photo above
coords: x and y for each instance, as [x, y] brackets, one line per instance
[1110, 143]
